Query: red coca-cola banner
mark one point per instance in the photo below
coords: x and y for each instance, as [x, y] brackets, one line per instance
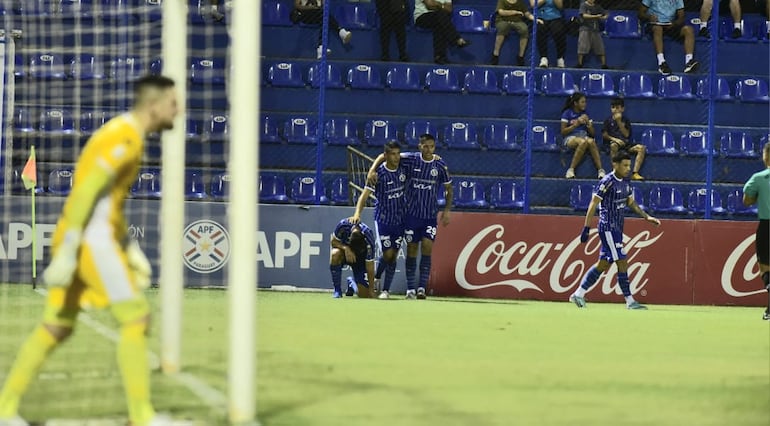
[541, 258]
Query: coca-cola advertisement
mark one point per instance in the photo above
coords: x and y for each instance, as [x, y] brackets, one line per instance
[540, 257]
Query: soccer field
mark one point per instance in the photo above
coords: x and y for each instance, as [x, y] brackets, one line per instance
[435, 362]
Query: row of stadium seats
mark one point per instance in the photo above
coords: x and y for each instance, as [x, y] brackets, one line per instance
[619, 24]
[488, 81]
[495, 135]
[54, 66]
[101, 9]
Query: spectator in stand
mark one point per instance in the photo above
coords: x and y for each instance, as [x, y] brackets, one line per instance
[510, 16]
[616, 134]
[436, 15]
[590, 37]
[666, 17]
[577, 128]
[311, 12]
[705, 14]
[549, 11]
[214, 11]
[393, 18]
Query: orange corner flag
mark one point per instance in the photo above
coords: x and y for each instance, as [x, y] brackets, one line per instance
[29, 174]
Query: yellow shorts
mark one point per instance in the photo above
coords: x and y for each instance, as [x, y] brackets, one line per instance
[103, 279]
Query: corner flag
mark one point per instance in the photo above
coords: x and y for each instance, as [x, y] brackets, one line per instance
[29, 174]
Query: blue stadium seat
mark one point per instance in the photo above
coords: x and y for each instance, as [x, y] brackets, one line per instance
[659, 141]
[17, 184]
[751, 90]
[666, 199]
[543, 139]
[702, 88]
[342, 131]
[60, 181]
[354, 16]
[192, 129]
[674, 87]
[441, 198]
[469, 194]
[763, 32]
[694, 142]
[300, 130]
[364, 77]
[23, 121]
[403, 77]
[207, 71]
[268, 132]
[87, 67]
[156, 66]
[505, 195]
[515, 82]
[763, 141]
[461, 135]
[150, 10]
[726, 29]
[639, 197]
[272, 189]
[442, 80]
[379, 132]
[580, 196]
[217, 128]
[333, 76]
[597, 84]
[285, 74]
[735, 204]
[220, 186]
[481, 81]
[126, 69]
[622, 24]
[194, 187]
[305, 189]
[90, 121]
[635, 86]
[276, 13]
[696, 202]
[47, 66]
[415, 128]
[468, 20]
[737, 144]
[19, 66]
[501, 136]
[339, 192]
[557, 83]
[56, 121]
[147, 184]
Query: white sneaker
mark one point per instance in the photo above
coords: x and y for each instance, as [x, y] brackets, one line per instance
[560, 62]
[570, 173]
[544, 62]
[319, 52]
[13, 421]
[602, 173]
[345, 36]
[384, 295]
[411, 294]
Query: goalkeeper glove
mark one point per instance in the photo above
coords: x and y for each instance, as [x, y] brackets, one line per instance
[584, 234]
[60, 271]
[139, 265]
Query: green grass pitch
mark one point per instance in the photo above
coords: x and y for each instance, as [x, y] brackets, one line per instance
[435, 362]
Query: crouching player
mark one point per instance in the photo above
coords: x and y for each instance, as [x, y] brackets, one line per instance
[352, 244]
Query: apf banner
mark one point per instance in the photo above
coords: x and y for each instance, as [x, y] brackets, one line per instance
[540, 257]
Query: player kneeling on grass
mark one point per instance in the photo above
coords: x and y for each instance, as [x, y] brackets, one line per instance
[93, 263]
[612, 194]
[352, 244]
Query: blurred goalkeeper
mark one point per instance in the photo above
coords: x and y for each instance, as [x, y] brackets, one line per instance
[94, 262]
[352, 243]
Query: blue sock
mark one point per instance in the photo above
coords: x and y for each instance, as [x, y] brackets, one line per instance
[336, 277]
[625, 286]
[381, 265]
[390, 273]
[411, 270]
[424, 270]
[590, 278]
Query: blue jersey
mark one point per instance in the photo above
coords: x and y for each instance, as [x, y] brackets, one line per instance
[343, 230]
[568, 116]
[390, 206]
[614, 193]
[424, 180]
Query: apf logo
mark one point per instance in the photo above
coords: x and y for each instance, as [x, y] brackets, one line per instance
[206, 246]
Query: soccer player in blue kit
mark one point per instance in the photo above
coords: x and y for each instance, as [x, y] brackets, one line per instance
[388, 211]
[612, 194]
[352, 244]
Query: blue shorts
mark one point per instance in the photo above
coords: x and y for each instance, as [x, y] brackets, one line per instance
[390, 236]
[612, 246]
[416, 229]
